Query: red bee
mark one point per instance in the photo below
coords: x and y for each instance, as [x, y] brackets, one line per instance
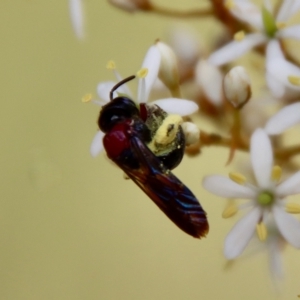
[128, 132]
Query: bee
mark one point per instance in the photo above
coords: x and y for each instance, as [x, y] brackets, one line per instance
[146, 143]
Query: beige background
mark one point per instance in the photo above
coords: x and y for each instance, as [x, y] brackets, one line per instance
[70, 226]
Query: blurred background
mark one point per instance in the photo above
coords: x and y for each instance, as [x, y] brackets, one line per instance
[70, 226]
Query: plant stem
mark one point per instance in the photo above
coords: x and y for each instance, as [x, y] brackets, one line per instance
[193, 13]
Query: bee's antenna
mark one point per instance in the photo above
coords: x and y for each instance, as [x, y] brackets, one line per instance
[118, 85]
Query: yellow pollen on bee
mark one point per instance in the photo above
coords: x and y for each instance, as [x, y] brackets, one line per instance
[239, 36]
[230, 210]
[280, 25]
[237, 178]
[142, 73]
[87, 98]
[276, 173]
[111, 65]
[261, 231]
[292, 208]
[166, 133]
[229, 4]
[294, 80]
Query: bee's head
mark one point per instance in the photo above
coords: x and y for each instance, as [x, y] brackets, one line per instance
[118, 109]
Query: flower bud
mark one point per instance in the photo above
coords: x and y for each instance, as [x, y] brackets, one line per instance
[168, 71]
[191, 133]
[186, 45]
[237, 86]
[131, 5]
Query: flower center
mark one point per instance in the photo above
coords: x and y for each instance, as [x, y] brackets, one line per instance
[265, 198]
[269, 23]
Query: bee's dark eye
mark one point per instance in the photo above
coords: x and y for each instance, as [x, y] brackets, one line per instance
[120, 109]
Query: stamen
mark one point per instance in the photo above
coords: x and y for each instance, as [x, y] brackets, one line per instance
[292, 208]
[87, 98]
[295, 80]
[237, 178]
[239, 36]
[111, 65]
[142, 73]
[229, 4]
[276, 173]
[261, 231]
[280, 25]
[230, 210]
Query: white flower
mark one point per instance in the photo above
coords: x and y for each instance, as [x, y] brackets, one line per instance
[148, 74]
[266, 199]
[270, 29]
[77, 17]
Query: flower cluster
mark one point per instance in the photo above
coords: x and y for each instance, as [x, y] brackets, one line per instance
[256, 118]
[266, 200]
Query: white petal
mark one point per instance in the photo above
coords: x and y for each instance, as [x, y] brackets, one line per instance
[247, 12]
[274, 82]
[210, 79]
[285, 10]
[274, 247]
[276, 87]
[288, 226]
[261, 157]
[77, 17]
[292, 32]
[177, 106]
[97, 145]
[295, 7]
[290, 186]
[274, 50]
[104, 88]
[152, 63]
[224, 187]
[124, 89]
[235, 49]
[287, 117]
[240, 235]
[279, 67]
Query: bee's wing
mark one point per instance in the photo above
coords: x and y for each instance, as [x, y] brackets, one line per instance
[166, 190]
